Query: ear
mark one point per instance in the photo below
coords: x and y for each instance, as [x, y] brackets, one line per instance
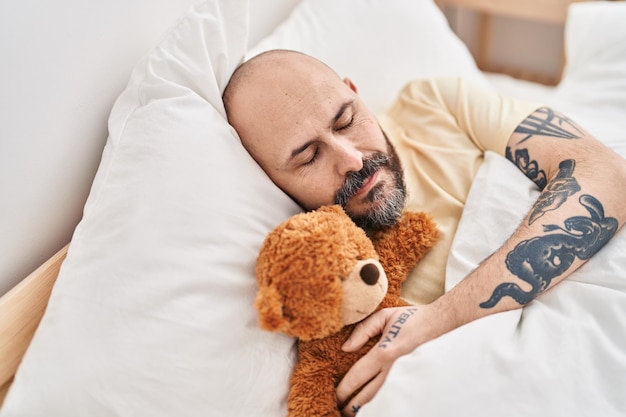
[270, 307]
[350, 84]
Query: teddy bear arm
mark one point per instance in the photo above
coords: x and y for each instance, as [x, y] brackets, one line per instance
[406, 243]
[312, 389]
[321, 365]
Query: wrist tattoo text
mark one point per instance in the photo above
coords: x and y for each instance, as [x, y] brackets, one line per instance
[393, 332]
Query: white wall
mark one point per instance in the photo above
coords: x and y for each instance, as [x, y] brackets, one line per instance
[63, 64]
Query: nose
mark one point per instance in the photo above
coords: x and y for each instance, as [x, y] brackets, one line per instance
[369, 274]
[349, 158]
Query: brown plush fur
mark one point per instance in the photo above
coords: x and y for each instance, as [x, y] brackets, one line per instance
[300, 270]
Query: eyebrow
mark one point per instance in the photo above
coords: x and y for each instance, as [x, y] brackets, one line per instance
[297, 151]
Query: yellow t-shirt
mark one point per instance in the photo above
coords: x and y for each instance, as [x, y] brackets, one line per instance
[441, 129]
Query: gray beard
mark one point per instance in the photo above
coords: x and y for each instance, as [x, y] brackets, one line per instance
[387, 210]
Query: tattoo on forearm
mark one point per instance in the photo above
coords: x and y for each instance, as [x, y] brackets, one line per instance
[557, 191]
[540, 259]
[546, 122]
[554, 193]
[528, 167]
[396, 327]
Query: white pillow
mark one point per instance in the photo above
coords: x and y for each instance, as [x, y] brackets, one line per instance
[595, 39]
[379, 44]
[593, 88]
[152, 313]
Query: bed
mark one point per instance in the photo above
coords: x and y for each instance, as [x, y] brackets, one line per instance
[148, 311]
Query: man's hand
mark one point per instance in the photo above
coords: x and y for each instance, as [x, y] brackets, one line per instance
[402, 329]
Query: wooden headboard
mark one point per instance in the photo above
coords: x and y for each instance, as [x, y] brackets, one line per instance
[552, 11]
[548, 12]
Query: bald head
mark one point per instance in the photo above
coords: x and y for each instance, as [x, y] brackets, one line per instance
[270, 68]
[264, 88]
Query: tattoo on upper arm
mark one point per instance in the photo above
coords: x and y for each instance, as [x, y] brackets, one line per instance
[529, 167]
[546, 122]
[540, 259]
[557, 191]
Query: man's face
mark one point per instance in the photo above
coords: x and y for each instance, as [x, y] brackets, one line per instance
[315, 138]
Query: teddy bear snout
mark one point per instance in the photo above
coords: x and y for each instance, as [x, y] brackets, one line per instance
[370, 273]
[363, 290]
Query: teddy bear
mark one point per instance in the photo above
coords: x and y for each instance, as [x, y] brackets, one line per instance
[319, 274]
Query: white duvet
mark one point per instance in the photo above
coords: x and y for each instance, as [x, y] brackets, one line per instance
[562, 355]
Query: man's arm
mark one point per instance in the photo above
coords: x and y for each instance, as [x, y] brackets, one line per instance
[581, 206]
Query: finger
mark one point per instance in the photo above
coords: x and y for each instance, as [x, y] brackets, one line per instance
[365, 396]
[360, 374]
[365, 330]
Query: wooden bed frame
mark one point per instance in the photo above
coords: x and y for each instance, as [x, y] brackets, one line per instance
[21, 308]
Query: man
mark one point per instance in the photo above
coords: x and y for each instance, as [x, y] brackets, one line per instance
[313, 135]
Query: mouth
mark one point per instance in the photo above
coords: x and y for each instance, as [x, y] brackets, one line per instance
[361, 182]
[368, 184]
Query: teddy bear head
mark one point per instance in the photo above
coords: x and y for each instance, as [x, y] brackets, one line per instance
[317, 272]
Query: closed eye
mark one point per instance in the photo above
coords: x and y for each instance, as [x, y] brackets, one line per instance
[312, 160]
[344, 117]
[347, 125]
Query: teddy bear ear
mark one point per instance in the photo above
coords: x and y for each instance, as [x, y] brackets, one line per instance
[270, 307]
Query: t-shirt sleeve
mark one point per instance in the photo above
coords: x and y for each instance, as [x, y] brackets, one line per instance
[487, 118]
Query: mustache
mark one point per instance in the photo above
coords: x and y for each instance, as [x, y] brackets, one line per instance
[355, 179]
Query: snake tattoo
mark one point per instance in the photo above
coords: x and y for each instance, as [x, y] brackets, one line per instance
[540, 259]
